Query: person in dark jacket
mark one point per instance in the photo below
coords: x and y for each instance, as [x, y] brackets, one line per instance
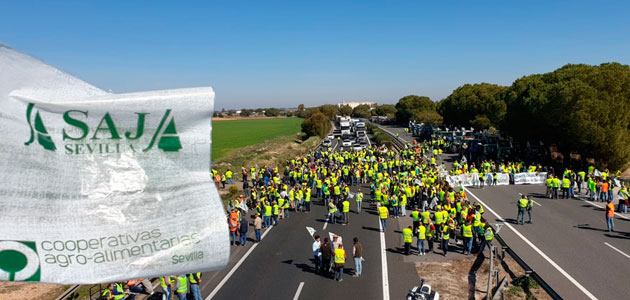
[326, 257]
[243, 231]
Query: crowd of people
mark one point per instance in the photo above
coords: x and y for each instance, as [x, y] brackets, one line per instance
[173, 287]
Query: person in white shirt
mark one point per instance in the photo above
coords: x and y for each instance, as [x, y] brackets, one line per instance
[317, 254]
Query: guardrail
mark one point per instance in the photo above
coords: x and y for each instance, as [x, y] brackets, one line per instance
[68, 292]
[528, 270]
[397, 142]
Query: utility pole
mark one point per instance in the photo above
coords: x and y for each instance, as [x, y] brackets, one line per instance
[490, 273]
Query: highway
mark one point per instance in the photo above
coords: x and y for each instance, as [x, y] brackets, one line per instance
[567, 244]
[281, 266]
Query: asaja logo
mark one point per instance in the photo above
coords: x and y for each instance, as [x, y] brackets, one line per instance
[19, 261]
[79, 138]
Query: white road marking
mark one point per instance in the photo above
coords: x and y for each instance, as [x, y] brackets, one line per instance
[553, 263]
[326, 222]
[238, 264]
[384, 262]
[536, 203]
[597, 205]
[611, 246]
[299, 290]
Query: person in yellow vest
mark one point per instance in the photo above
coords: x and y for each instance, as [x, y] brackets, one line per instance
[346, 211]
[267, 215]
[118, 292]
[488, 236]
[415, 217]
[195, 279]
[407, 239]
[181, 287]
[445, 230]
[228, 176]
[468, 237]
[521, 205]
[555, 184]
[332, 211]
[276, 211]
[359, 200]
[422, 236]
[566, 184]
[383, 214]
[165, 284]
[340, 260]
[107, 292]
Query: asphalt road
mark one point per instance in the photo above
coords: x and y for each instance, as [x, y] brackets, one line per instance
[575, 252]
[282, 263]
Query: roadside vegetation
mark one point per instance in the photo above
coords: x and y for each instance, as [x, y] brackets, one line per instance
[230, 135]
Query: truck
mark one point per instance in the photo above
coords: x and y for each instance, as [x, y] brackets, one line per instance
[345, 127]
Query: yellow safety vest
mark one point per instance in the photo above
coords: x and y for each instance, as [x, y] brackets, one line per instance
[489, 234]
[439, 219]
[340, 256]
[191, 277]
[267, 210]
[382, 211]
[346, 206]
[407, 235]
[445, 234]
[183, 285]
[415, 215]
[522, 202]
[425, 217]
[163, 280]
[422, 233]
[467, 230]
[119, 289]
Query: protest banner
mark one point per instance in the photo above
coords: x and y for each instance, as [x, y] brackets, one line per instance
[530, 178]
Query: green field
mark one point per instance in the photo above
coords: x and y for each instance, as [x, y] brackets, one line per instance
[234, 134]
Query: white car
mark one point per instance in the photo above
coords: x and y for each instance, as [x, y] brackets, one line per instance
[357, 147]
[326, 143]
[346, 143]
[331, 137]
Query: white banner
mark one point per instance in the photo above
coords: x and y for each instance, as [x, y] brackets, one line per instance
[98, 187]
[472, 179]
[530, 178]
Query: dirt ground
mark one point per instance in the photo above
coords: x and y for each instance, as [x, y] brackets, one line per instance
[29, 291]
[452, 281]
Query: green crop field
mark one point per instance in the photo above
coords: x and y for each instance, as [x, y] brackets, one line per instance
[234, 134]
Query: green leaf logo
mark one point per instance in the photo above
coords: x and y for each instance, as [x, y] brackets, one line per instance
[38, 131]
[19, 261]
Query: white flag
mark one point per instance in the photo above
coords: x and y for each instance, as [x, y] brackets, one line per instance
[100, 187]
[310, 230]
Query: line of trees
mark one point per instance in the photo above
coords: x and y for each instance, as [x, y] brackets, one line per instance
[580, 108]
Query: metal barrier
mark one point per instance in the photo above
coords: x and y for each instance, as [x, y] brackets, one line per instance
[528, 270]
[68, 292]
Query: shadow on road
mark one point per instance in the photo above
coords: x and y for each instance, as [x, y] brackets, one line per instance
[589, 227]
[371, 228]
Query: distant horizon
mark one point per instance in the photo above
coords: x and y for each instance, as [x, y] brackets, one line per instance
[282, 54]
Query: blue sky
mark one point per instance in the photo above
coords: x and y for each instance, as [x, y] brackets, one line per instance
[282, 53]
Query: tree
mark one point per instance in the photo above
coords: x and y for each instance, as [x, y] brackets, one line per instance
[272, 112]
[300, 108]
[580, 108]
[317, 125]
[474, 102]
[428, 117]
[361, 111]
[386, 110]
[246, 112]
[329, 110]
[410, 105]
[345, 110]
